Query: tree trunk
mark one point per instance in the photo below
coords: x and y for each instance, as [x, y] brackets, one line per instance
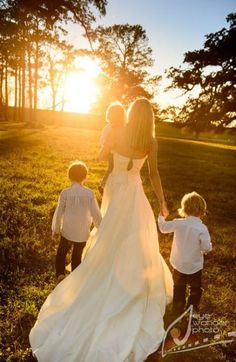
[30, 85]
[53, 101]
[19, 92]
[1, 88]
[6, 89]
[36, 71]
[53, 96]
[16, 94]
[63, 93]
[23, 77]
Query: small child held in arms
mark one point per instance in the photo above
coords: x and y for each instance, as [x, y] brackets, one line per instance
[191, 241]
[76, 210]
[116, 120]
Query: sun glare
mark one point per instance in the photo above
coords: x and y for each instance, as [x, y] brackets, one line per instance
[81, 90]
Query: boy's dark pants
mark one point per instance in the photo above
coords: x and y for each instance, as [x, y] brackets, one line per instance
[64, 247]
[180, 285]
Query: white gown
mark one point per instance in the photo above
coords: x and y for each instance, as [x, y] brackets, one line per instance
[111, 307]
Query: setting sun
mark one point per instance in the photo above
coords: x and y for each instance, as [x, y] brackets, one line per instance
[81, 90]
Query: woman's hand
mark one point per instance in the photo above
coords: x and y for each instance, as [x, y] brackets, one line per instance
[164, 210]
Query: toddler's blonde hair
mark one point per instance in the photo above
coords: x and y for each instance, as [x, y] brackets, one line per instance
[116, 115]
[193, 204]
[140, 126]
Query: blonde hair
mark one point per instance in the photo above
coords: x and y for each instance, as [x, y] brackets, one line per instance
[193, 204]
[77, 171]
[140, 127]
[116, 115]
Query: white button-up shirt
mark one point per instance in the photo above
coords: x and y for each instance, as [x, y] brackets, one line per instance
[191, 240]
[77, 208]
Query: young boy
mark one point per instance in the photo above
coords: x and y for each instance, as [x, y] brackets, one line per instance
[116, 120]
[191, 241]
[76, 210]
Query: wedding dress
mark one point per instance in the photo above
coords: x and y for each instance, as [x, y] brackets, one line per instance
[111, 307]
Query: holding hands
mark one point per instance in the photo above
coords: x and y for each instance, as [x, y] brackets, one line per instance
[164, 210]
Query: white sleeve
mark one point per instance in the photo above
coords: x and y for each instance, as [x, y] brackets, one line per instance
[205, 240]
[58, 214]
[166, 226]
[95, 211]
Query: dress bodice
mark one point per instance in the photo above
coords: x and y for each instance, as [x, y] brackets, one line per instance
[123, 164]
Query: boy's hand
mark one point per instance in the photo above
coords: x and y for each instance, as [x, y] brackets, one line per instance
[55, 236]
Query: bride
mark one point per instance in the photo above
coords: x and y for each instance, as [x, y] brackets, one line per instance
[111, 307]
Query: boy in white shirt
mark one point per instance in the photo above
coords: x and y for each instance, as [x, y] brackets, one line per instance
[191, 241]
[77, 208]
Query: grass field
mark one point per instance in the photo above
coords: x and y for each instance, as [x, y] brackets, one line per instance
[33, 167]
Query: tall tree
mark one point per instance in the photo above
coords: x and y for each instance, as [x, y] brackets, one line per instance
[211, 72]
[8, 32]
[59, 59]
[126, 58]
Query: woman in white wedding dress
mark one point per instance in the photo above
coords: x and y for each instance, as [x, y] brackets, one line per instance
[111, 307]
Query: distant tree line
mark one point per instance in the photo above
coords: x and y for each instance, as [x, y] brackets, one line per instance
[35, 54]
[32, 50]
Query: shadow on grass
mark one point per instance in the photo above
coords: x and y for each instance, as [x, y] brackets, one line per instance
[15, 142]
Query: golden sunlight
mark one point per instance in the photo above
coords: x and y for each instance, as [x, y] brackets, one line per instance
[81, 90]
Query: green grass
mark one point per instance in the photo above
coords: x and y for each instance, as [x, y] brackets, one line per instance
[167, 129]
[33, 168]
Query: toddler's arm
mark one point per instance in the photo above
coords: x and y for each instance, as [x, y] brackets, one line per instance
[95, 211]
[166, 226]
[205, 240]
[105, 134]
[58, 215]
[107, 147]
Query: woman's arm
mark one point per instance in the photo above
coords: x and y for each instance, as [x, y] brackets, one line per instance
[108, 171]
[155, 179]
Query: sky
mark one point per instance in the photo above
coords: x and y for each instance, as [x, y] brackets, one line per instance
[172, 26]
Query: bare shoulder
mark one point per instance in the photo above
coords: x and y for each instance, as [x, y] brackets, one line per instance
[119, 137]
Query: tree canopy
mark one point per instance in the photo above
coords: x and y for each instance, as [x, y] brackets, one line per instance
[125, 58]
[211, 73]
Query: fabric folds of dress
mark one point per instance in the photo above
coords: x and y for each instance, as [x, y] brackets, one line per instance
[111, 307]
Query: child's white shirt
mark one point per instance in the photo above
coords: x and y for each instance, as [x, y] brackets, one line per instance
[77, 208]
[191, 240]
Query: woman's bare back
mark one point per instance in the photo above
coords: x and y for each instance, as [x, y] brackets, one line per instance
[121, 145]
